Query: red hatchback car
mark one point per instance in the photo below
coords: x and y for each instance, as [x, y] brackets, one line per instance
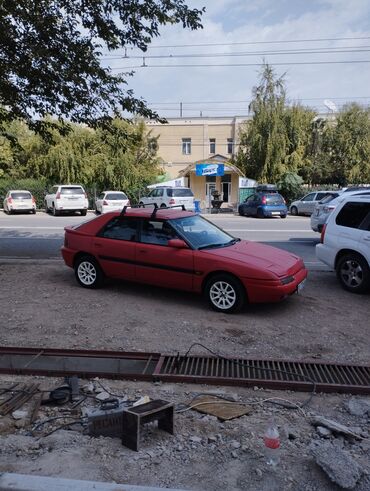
[179, 249]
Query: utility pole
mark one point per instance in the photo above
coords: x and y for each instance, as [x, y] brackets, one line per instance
[180, 109]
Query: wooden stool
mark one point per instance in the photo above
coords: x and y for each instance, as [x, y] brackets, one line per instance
[134, 417]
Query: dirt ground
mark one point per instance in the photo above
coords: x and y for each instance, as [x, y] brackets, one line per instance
[42, 305]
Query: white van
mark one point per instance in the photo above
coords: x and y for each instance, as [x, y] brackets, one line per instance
[169, 196]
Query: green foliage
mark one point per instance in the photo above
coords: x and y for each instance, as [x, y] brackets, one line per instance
[347, 146]
[290, 186]
[121, 156]
[50, 56]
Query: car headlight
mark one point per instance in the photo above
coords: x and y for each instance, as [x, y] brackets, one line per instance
[286, 280]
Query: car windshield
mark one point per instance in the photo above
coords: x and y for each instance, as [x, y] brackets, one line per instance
[21, 195]
[116, 196]
[71, 190]
[202, 234]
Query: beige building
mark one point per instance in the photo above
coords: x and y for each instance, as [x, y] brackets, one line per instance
[186, 142]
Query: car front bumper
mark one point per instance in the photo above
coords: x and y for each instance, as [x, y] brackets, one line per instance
[261, 291]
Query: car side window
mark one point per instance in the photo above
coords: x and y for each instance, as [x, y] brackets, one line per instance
[156, 232]
[251, 198]
[354, 215]
[320, 196]
[120, 228]
[101, 196]
[309, 197]
[159, 192]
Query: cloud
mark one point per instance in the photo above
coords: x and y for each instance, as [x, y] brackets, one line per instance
[238, 21]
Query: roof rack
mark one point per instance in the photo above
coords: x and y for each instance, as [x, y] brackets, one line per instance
[156, 208]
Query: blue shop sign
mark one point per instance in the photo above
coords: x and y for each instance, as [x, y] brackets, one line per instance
[209, 170]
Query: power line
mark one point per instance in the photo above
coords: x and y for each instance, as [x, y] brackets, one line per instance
[312, 40]
[360, 49]
[208, 65]
[247, 100]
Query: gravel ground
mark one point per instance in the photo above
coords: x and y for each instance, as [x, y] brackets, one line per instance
[41, 305]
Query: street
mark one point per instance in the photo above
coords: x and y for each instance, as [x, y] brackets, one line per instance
[40, 236]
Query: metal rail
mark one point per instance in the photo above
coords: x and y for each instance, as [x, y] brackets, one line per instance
[274, 374]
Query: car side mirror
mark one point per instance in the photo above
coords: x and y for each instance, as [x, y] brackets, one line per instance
[177, 243]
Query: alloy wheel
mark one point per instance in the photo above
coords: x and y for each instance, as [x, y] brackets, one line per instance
[351, 273]
[86, 273]
[222, 295]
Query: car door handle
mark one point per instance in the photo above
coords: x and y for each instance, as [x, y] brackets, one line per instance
[367, 237]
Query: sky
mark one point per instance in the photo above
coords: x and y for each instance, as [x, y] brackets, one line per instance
[244, 33]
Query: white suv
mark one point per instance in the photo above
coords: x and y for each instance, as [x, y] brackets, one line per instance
[170, 196]
[66, 198]
[345, 243]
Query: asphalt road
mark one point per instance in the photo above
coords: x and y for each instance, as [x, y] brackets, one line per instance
[40, 236]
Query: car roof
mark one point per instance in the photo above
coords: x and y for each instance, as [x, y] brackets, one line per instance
[19, 191]
[356, 198]
[161, 213]
[113, 192]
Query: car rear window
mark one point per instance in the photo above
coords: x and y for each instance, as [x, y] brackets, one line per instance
[116, 196]
[180, 193]
[328, 198]
[275, 199]
[72, 190]
[353, 214]
[21, 195]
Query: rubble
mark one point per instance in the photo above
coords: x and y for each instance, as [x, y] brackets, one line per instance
[335, 427]
[338, 465]
[358, 407]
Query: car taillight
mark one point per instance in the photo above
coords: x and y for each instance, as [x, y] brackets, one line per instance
[323, 234]
[105, 203]
[57, 196]
[10, 200]
[172, 201]
[264, 200]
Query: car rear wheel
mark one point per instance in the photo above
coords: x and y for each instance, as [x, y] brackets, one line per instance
[225, 293]
[260, 213]
[88, 272]
[83, 213]
[283, 216]
[294, 210]
[353, 273]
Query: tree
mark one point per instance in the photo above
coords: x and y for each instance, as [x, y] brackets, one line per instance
[50, 56]
[275, 141]
[347, 146]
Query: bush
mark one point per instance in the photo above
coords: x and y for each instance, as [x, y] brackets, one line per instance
[290, 186]
[37, 188]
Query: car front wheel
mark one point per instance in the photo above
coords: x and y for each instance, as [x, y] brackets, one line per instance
[88, 272]
[225, 293]
[294, 210]
[353, 273]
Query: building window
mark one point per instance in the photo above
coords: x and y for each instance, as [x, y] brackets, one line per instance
[230, 145]
[186, 146]
[212, 145]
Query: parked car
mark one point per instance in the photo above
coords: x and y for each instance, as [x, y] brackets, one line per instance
[265, 202]
[19, 201]
[324, 207]
[179, 249]
[111, 201]
[66, 198]
[168, 196]
[306, 205]
[345, 243]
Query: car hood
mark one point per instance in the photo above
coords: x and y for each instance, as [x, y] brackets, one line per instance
[257, 257]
